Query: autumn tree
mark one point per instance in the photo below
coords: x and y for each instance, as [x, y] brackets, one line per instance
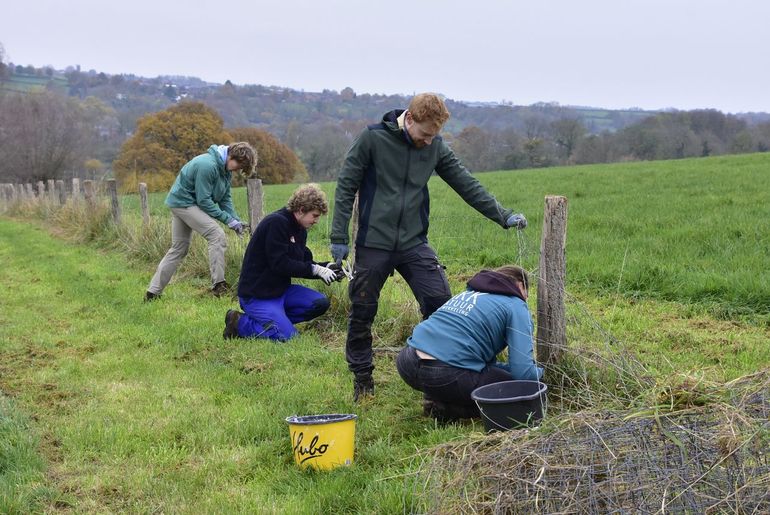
[164, 142]
[276, 163]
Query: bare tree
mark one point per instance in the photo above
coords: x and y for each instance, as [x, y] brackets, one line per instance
[41, 135]
[567, 133]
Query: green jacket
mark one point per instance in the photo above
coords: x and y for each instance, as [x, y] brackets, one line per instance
[391, 178]
[204, 182]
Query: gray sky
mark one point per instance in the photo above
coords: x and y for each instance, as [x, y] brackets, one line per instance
[651, 54]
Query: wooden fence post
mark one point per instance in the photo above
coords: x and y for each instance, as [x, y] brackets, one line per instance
[60, 192]
[30, 192]
[20, 192]
[255, 197]
[112, 187]
[88, 192]
[75, 189]
[51, 189]
[143, 202]
[551, 313]
[40, 190]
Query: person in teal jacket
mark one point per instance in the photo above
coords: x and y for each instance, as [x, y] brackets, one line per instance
[455, 350]
[389, 166]
[199, 197]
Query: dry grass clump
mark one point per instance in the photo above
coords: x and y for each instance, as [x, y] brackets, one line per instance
[708, 455]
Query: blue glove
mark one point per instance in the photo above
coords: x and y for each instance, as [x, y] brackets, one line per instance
[237, 226]
[339, 252]
[518, 221]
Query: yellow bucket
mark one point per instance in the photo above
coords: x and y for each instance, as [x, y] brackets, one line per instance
[322, 442]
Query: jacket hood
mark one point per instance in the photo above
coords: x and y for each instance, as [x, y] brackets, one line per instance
[216, 152]
[392, 116]
[488, 281]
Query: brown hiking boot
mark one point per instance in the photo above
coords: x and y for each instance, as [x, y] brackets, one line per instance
[220, 289]
[231, 324]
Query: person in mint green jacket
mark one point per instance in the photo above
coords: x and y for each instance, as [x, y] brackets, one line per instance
[199, 197]
[455, 350]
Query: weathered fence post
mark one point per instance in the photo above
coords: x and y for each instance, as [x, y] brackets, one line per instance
[75, 189]
[143, 202]
[551, 313]
[40, 190]
[88, 192]
[112, 187]
[20, 193]
[255, 197]
[60, 192]
[30, 192]
[51, 184]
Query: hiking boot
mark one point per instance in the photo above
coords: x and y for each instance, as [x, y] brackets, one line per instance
[221, 288]
[363, 386]
[437, 410]
[231, 324]
[150, 296]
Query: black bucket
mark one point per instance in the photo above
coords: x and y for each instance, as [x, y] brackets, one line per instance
[510, 404]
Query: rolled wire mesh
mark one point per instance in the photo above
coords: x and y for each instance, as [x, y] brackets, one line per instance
[706, 459]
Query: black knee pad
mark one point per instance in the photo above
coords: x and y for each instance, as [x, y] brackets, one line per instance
[363, 313]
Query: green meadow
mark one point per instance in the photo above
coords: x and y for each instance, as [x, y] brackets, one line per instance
[109, 404]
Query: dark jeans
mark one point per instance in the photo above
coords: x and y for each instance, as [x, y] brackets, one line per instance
[439, 381]
[419, 266]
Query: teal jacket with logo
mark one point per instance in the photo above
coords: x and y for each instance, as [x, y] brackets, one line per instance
[391, 177]
[474, 326]
[204, 182]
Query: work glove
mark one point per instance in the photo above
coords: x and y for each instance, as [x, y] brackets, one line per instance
[327, 275]
[518, 221]
[338, 271]
[339, 252]
[237, 226]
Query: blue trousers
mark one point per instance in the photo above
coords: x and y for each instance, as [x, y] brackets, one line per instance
[275, 318]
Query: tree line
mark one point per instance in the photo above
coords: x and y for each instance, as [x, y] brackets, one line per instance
[99, 124]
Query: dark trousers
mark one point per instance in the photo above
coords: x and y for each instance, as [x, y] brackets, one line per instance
[420, 268]
[452, 386]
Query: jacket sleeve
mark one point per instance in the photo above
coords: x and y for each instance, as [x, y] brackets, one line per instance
[277, 252]
[356, 162]
[205, 176]
[226, 204]
[452, 171]
[521, 361]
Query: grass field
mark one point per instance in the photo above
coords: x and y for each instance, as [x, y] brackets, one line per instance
[108, 404]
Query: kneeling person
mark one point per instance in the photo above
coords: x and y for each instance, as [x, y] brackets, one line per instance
[455, 350]
[277, 252]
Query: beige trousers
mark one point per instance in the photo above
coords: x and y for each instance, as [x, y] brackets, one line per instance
[185, 220]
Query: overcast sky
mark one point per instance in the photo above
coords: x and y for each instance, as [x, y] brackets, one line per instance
[651, 54]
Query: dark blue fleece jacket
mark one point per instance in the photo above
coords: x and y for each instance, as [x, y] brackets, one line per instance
[276, 253]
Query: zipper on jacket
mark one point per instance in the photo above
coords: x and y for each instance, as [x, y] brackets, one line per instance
[403, 196]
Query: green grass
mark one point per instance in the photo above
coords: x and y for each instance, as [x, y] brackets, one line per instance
[152, 411]
[110, 404]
